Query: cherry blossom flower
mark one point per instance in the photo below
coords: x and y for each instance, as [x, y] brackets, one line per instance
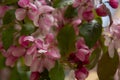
[81, 73]
[27, 8]
[84, 9]
[101, 10]
[114, 3]
[112, 37]
[13, 54]
[34, 76]
[82, 53]
[44, 19]
[41, 55]
[3, 10]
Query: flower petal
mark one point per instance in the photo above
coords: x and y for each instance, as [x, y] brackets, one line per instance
[28, 60]
[23, 3]
[10, 61]
[20, 14]
[18, 51]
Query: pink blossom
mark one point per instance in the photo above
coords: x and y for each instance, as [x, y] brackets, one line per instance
[101, 10]
[81, 74]
[23, 3]
[42, 54]
[114, 3]
[76, 23]
[34, 76]
[43, 19]
[44, 22]
[3, 9]
[84, 9]
[27, 8]
[76, 3]
[13, 54]
[88, 15]
[25, 40]
[81, 56]
[82, 52]
[112, 37]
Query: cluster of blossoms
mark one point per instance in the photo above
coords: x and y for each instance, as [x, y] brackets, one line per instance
[80, 58]
[40, 49]
[112, 37]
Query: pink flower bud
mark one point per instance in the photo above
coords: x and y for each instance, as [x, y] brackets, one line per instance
[114, 3]
[88, 15]
[101, 10]
[81, 73]
[34, 76]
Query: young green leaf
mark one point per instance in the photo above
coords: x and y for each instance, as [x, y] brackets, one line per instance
[2, 61]
[91, 32]
[94, 58]
[7, 37]
[70, 12]
[107, 66]
[62, 3]
[66, 39]
[9, 17]
[10, 1]
[57, 73]
[27, 29]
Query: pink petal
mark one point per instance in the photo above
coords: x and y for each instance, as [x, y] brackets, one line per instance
[76, 22]
[48, 19]
[9, 51]
[10, 61]
[37, 65]
[34, 76]
[81, 54]
[23, 3]
[32, 12]
[81, 44]
[48, 63]
[18, 51]
[36, 20]
[81, 74]
[28, 60]
[3, 9]
[31, 50]
[46, 22]
[111, 49]
[29, 38]
[20, 14]
[49, 38]
[53, 53]
[76, 3]
[39, 43]
[47, 9]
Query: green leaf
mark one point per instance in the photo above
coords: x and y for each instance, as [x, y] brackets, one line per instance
[107, 66]
[2, 61]
[91, 32]
[62, 3]
[102, 41]
[7, 37]
[57, 73]
[94, 58]
[70, 12]
[14, 75]
[10, 1]
[27, 29]
[66, 39]
[9, 17]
